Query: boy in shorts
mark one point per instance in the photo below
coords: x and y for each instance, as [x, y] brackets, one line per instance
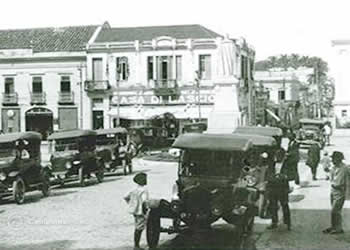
[137, 199]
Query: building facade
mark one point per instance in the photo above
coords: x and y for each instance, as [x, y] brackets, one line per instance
[165, 74]
[42, 72]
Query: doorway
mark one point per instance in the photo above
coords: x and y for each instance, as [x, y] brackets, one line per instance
[39, 120]
[97, 119]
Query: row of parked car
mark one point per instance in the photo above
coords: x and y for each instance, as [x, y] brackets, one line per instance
[219, 176]
[74, 155]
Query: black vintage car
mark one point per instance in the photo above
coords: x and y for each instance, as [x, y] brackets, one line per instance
[310, 132]
[73, 156]
[197, 127]
[113, 148]
[213, 182]
[151, 137]
[20, 166]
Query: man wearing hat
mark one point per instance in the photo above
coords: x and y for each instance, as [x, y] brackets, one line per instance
[136, 200]
[338, 176]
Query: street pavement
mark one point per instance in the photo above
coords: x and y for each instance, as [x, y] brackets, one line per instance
[95, 217]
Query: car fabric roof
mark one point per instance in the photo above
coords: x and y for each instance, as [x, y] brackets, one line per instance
[11, 137]
[255, 130]
[259, 140]
[71, 134]
[313, 121]
[215, 142]
[111, 131]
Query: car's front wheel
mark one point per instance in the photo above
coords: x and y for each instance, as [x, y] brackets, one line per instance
[19, 190]
[153, 228]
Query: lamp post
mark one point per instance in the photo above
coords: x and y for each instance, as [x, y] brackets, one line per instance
[197, 79]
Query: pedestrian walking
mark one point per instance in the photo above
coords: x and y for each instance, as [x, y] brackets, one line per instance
[293, 158]
[137, 201]
[326, 164]
[277, 191]
[339, 174]
[327, 130]
[313, 159]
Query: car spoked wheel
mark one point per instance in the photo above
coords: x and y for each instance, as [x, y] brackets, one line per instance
[100, 175]
[81, 177]
[45, 187]
[18, 190]
[153, 228]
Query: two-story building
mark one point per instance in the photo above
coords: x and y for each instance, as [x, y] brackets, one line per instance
[42, 72]
[137, 74]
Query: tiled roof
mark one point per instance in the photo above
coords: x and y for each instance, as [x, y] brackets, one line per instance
[148, 33]
[73, 38]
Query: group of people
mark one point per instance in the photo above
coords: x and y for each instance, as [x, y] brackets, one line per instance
[280, 184]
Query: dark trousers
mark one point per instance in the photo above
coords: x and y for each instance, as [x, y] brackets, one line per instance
[274, 200]
[314, 170]
[337, 202]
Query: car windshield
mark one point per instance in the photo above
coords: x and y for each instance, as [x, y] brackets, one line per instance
[310, 127]
[108, 139]
[7, 151]
[65, 145]
[209, 163]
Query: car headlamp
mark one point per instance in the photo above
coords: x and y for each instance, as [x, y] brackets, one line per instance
[76, 162]
[250, 180]
[2, 176]
[216, 211]
[68, 165]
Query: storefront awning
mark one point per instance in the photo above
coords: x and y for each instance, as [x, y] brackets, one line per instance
[145, 113]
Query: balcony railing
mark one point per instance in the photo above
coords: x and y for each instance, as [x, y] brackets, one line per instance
[9, 98]
[66, 97]
[166, 88]
[94, 85]
[38, 97]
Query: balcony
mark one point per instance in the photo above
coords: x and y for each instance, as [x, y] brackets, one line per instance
[66, 97]
[10, 98]
[38, 97]
[97, 85]
[166, 88]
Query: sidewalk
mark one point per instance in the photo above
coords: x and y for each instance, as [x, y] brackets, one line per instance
[310, 211]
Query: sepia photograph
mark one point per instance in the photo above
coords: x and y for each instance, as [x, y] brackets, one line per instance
[174, 125]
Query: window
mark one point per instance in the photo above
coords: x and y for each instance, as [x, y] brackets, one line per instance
[205, 67]
[97, 102]
[281, 95]
[97, 69]
[65, 84]
[122, 68]
[37, 84]
[164, 67]
[150, 68]
[344, 113]
[178, 67]
[9, 85]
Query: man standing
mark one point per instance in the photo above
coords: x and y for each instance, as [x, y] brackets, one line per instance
[293, 158]
[338, 177]
[327, 133]
[313, 159]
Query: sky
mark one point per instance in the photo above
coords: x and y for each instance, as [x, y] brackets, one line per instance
[272, 27]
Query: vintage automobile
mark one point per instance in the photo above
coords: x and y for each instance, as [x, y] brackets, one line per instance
[197, 127]
[73, 156]
[263, 160]
[151, 137]
[213, 182]
[20, 166]
[311, 131]
[275, 132]
[106, 147]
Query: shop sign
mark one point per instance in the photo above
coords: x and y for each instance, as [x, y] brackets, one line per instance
[154, 100]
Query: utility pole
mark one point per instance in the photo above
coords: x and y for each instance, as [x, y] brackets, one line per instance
[318, 101]
[198, 77]
[118, 95]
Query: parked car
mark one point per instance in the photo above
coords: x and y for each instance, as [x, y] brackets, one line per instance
[311, 131]
[275, 132]
[20, 166]
[73, 156]
[213, 182]
[108, 147]
[263, 159]
[151, 137]
[197, 127]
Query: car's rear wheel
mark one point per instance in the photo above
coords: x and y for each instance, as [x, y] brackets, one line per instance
[19, 190]
[81, 177]
[45, 186]
[153, 228]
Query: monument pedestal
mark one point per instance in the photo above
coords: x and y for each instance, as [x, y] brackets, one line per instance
[225, 115]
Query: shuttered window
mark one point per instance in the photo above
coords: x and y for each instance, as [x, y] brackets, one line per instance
[97, 69]
[205, 67]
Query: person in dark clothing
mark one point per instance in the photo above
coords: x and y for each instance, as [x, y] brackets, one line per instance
[313, 159]
[278, 188]
[293, 158]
